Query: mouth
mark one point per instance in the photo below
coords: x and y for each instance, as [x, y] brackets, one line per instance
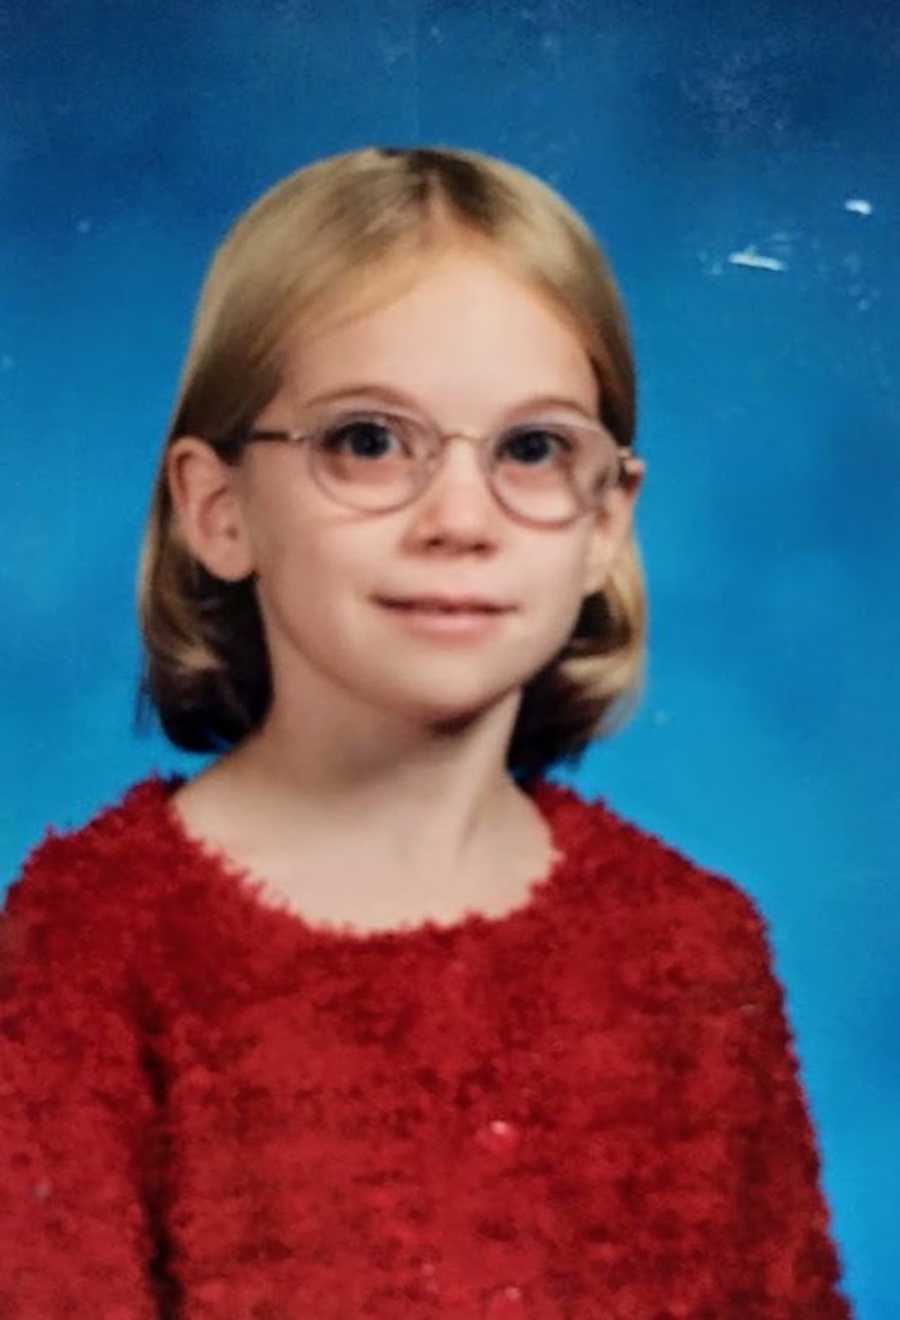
[444, 605]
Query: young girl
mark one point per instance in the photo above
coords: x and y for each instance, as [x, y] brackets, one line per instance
[369, 1019]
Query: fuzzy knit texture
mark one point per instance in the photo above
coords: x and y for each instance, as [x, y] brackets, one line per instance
[588, 1108]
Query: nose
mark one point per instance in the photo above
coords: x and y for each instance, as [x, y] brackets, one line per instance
[458, 504]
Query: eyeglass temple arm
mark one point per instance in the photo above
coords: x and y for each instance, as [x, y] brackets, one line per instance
[255, 434]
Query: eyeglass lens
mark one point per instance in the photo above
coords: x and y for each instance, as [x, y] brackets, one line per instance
[544, 471]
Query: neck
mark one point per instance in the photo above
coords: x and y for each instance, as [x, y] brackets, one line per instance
[397, 792]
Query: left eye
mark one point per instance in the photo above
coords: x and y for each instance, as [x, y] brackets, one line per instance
[535, 444]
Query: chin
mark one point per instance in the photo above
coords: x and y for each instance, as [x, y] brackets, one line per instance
[454, 716]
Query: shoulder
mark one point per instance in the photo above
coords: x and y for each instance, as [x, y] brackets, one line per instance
[88, 877]
[707, 915]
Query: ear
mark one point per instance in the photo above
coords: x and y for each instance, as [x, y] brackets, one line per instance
[207, 508]
[612, 524]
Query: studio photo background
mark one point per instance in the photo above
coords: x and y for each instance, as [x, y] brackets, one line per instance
[739, 164]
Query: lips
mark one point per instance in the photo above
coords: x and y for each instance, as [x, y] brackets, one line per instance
[445, 604]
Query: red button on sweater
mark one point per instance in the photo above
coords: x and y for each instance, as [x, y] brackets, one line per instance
[586, 1109]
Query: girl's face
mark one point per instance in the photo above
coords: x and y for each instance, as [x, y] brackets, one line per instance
[467, 346]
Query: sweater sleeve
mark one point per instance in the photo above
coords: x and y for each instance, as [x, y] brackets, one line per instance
[76, 1102]
[782, 1233]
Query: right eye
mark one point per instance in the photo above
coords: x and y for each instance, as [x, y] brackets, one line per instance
[362, 437]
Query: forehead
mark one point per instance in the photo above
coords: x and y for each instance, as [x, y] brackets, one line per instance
[460, 319]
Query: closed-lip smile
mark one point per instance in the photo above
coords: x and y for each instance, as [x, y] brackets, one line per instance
[451, 604]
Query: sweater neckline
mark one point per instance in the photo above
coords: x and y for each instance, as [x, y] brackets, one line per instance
[550, 799]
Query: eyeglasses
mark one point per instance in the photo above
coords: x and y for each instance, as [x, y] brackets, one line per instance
[374, 461]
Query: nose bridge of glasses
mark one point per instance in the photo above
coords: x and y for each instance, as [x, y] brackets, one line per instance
[448, 461]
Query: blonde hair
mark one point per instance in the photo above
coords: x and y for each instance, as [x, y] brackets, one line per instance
[321, 240]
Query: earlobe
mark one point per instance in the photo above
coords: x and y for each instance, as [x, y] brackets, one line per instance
[207, 509]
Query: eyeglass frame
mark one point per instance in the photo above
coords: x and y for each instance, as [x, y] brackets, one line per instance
[430, 468]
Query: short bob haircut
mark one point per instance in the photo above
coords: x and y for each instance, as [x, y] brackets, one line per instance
[331, 240]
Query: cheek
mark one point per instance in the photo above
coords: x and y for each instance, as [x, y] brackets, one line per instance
[311, 580]
[295, 577]
[557, 591]
[568, 570]
[288, 529]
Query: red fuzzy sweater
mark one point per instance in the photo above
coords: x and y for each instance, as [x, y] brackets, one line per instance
[588, 1108]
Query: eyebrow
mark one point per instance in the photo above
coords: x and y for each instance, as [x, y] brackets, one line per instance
[372, 389]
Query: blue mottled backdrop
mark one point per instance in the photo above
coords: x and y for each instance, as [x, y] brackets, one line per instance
[740, 163]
